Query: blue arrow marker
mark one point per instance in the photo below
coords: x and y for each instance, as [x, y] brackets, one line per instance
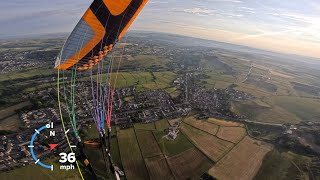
[37, 161]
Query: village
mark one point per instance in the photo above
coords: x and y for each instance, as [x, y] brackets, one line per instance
[13, 60]
[129, 107]
[14, 150]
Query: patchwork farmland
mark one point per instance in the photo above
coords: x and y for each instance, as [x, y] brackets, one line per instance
[203, 146]
[190, 163]
[243, 162]
[232, 134]
[203, 125]
[132, 160]
[210, 145]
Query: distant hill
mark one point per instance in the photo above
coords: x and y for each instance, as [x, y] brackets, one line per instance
[191, 41]
[36, 36]
[187, 41]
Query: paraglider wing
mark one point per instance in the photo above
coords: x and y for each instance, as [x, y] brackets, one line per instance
[102, 25]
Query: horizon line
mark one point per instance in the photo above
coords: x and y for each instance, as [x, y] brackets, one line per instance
[66, 34]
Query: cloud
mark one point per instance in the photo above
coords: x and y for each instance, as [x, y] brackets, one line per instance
[247, 10]
[199, 11]
[230, 15]
[263, 34]
[291, 17]
[158, 2]
[224, 1]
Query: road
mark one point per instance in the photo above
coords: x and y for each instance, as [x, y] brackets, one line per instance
[263, 123]
[250, 70]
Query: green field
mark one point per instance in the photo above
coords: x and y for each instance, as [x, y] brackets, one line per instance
[218, 80]
[132, 159]
[146, 61]
[28, 74]
[36, 172]
[164, 79]
[282, 165]
[142, 80]
[252, 90]
[305, 108]
[271, 113]
[145, 126]
[162, 125]
[9, 119]
[279, 109]
[148, 144]
[171, 148]
[116, 152]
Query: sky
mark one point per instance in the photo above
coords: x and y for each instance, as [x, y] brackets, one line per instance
[288, 26]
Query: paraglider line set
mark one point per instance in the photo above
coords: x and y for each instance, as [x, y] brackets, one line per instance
[83, 54]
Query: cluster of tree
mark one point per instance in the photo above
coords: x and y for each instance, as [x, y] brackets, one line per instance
[43, 56]
[6, 132]
[291, 143]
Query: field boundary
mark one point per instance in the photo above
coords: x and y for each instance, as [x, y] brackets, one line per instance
[246, 133]
[165, 157]
[232, 148]
[235, 144]
[204, 130]
[222, 125]
[123, 166]
[213, 162]
[144, 161]
[119, 150]
[209, 133]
